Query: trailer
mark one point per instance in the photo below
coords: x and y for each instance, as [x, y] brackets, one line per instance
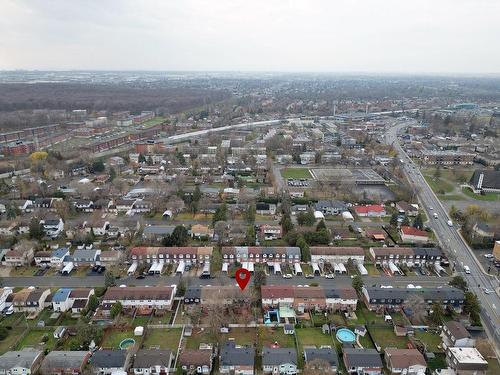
[250, 267]
[152, 269]
[225, 267]
[159, 268]
[205, 274]
[342, 268]
[316, 269]
[181, 268]
[297, 269]
[68, 268]
[362, 270]
[277, 268]
[394, 269]
[131, 270]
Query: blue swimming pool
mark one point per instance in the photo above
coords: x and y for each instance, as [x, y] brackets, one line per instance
[126, 343]
[345, 335]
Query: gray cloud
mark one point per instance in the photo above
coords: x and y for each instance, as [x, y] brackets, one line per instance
[271, 35]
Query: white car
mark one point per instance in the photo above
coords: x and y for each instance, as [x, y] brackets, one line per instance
[329, 276]
[488, 256]
[487, 291]
[431, 208]
[287, 276]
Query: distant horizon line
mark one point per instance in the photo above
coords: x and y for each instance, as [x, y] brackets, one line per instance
[283, 72]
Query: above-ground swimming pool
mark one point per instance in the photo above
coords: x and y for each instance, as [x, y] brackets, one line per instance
[345, 335]
[126, 343]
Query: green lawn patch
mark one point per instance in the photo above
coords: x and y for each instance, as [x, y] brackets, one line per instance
[312, 337]
[198, 337]
[493, 367]
[113, 337]
[9, 342]
[164, 338]
[243, 336]
[439, 186]
[431, 340]
[385, 338]
[154, 121]
[439, 362]
[35, 339]
[450, 197]
[295, 173]
[12, 320]
[269, 336]
[320, 319]
[490, 197]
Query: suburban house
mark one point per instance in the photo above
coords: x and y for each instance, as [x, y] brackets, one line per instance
[454, 334]
[465, 361]
[330, 207]
[106, 362]
[171, 254]
[196, 361]
[282, 361]
[79, 298]
[270, 232]
[110, 257]
[155, 297]
[64, 362]
[157, 232]
[18, 258]
[51, 258]
[215, 295]
[25, 362]
[200, 231]
[61, 301]
[83, 205]
[370, 210]
[152, 361]
[487, 181]
[85, 257]
[362, 361]
[323, 355]
[380, 299]
[405, 361]
[30, 300]
[236, 359]
[406, 208]
[331, 254]
[412, 235]
[52, 227]
[341, 299]
[265, 208]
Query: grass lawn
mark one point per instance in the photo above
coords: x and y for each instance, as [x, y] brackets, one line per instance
[431, 340]
[67, 320]
[385, 338]
[197, 338]
[372, 270]
[366, 342]
[268, 336]
[370, 317]
[320, 319]
[306, 269]
[312, 337]
[164, 319]
[154, 121]
[490, 197]
[113, 337]
[164, 338]
[438, 186]
[450, 197]
[8, 343]
[493, 367]
[439, 362]
[187, 216]
[33, 339]
[23, 271]
[295, 173]
[242, 336]
[12, 320]
[141, 320]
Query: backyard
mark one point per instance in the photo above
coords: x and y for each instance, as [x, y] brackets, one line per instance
[385, 337]
[113, 337]
[431, 340]
[35, 339]
[163, 338]
[313, 337]
[270, 336]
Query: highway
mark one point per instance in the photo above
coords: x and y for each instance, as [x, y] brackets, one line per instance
[453, 243]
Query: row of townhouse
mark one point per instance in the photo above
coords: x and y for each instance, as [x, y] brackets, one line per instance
[156, 297]
[309, 298]
[258, 254]
[410, 256]
[189, 255]
[29, 300]
[330, 254]
[52, 227]
[80, 257]
[378, 298]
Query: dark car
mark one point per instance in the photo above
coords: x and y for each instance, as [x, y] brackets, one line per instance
[140, 277]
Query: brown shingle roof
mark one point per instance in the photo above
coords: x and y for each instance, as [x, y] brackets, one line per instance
[195, 357]
[404, 358]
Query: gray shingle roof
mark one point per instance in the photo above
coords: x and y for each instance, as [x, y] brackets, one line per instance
[232, 356]
[109, 358]
[21, 358]
[356, 357]
[278, 356]
[146, 358]
[325, 354]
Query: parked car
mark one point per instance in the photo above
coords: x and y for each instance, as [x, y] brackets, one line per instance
[140, 277]
[309, 276]
[287, 276]
[329, 276]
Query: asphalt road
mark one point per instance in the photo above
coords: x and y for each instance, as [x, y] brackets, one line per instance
[453, 243]
[97, 281]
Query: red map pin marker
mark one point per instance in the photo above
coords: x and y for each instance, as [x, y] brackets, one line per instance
[242, 276]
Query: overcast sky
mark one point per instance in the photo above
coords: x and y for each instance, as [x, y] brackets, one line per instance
[408, 36]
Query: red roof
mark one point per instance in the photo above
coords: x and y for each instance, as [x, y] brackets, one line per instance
[369, 208]
[411, 231]
[276, 291]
